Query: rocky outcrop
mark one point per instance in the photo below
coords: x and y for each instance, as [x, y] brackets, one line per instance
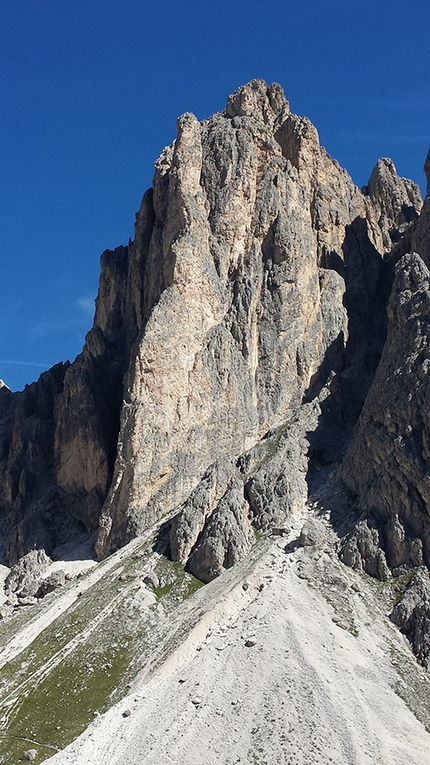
[24, 577]
[52, 582]
[397, 201]
[28, 581]
[362, 550]
[255, 276]
[388, 461]
[216, 526]
[313, 533]
[59, 436]
[412, 615]
[87, 411]
[278, 488]
[250, 237]
[192, 515]
[226, 538]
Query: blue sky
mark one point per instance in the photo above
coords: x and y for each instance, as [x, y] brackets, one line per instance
[89, 94]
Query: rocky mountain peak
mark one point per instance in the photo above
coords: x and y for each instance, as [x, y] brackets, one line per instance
[248, 313]
[250, 411]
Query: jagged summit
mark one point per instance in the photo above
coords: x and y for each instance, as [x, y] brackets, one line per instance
[256, 97]
[397, 200]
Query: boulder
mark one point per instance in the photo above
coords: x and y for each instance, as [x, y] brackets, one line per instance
[52, 582]
[24, 577]
[313, 532]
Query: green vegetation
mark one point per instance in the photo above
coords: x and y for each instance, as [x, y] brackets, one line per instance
[174, 582]
[83, 661]
[400, 584]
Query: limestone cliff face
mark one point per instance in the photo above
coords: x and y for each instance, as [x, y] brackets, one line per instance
[250, 243]
[87, 410]
[215, 526]
[247, 316]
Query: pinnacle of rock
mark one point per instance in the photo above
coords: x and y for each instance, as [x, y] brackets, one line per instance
[255, 99]
[397, 200]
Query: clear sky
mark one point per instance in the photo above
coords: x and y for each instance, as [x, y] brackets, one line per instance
[89, 94]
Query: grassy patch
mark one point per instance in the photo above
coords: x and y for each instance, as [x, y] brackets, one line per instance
[83, 661]
[58, 708]
[400, 584]
[176, 584]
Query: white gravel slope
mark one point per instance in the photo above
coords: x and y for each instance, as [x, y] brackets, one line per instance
[308, 692]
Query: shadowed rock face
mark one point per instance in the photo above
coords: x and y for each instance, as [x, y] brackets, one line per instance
[59, 435]
[420, 233]
[27, 463]
[232, 338]
[388, 460]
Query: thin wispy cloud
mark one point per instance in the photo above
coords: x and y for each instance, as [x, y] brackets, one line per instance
[86, 304]
[24, 363]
